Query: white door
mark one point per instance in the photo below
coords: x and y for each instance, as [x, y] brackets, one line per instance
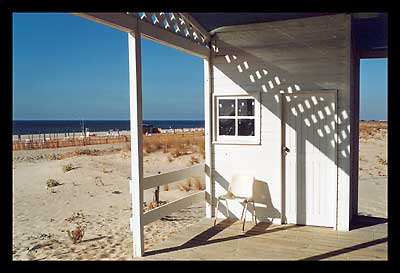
[310, 173]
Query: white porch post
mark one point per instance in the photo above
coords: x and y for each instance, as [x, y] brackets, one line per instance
[135, 94]
[208, 135]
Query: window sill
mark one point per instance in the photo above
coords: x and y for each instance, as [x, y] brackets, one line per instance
[237, 142]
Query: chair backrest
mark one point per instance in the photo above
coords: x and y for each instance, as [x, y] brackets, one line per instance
[242, 186]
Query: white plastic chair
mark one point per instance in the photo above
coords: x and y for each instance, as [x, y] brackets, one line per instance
[241, 188]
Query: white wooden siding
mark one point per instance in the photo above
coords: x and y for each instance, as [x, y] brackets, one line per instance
[305, 54]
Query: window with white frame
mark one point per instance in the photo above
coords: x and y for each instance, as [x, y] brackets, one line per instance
[237, 119]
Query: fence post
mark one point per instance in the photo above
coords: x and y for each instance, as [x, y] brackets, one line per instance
[157, 193]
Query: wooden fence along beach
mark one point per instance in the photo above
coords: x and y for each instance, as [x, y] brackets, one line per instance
[42, 141]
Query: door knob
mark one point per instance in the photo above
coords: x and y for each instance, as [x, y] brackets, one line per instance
[286, 150]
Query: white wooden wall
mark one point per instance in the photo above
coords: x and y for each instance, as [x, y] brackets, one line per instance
[269, 58]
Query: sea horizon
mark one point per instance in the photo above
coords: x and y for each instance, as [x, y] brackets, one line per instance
[93, 119]
[37, 126]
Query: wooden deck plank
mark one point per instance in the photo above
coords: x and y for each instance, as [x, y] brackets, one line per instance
[226, 241]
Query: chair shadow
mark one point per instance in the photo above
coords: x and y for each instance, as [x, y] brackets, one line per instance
[362, 221]
[204, 237]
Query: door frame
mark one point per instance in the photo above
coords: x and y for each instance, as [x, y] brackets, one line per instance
[333, 92]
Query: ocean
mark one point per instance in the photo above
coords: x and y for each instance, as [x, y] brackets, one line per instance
[23, 127]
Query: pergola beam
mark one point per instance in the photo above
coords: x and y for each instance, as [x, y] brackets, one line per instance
[187, 17]
[118, 20]
[128, 23]
[168, 38]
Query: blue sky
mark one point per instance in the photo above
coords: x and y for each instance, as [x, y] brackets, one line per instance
[67, 67]
[373, 89]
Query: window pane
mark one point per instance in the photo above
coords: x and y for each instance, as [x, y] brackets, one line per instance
[246, 127]
[226, 107]
[246, 107]
[226, 127]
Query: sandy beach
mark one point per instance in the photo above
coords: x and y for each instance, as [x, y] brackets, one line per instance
[372, 191]
[94, 192]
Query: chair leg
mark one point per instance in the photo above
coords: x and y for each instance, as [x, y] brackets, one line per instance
[254, 213]
[244, 219]
[241, 217]
[227, 210]
[216, 213]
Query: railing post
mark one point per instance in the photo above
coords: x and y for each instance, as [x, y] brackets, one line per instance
[135, 91]
[157, 193]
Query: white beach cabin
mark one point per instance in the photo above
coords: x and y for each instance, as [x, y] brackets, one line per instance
[281, 104]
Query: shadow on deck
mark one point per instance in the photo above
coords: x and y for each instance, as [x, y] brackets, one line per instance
[265, 241]
[362, 221]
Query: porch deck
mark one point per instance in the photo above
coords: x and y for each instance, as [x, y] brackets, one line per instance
[367, 241]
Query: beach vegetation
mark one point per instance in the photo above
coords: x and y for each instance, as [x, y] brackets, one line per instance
[382, 161]
[197, 185]
[194, 160]
[192, 183]
[77, 234]
[372, 129]
[53, 157]
[52, 183]
[106, 171]
[68, 167]
[175, 144]
[98, 181]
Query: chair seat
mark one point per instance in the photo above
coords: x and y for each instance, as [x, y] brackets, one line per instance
[241, 185]
[230, 196]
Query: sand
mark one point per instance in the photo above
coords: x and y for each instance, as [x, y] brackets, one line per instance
[96, 194]
[42, 216]
[372, 191]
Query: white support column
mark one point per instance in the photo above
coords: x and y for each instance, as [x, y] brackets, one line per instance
[208, 135]
[345, 150]
[135, 94]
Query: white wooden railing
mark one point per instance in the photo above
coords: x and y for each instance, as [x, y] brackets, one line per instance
[165, 178]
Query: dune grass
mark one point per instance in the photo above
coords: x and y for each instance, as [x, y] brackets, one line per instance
[175, 144]
[371, 129]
